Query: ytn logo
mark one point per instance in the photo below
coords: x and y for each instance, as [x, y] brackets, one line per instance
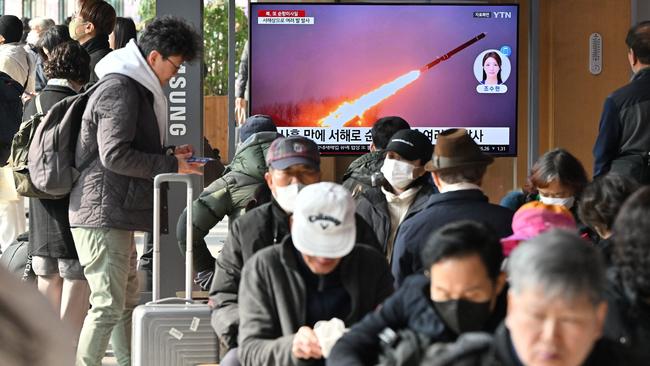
[502, 14]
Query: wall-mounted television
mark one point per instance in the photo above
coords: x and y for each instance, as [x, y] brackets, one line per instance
[329, 71]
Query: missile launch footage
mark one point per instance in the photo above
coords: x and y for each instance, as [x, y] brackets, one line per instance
[348, 111]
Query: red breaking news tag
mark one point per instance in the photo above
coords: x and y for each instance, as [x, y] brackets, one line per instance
[281, 13]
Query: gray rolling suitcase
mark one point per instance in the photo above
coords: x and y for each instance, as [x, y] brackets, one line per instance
[173, 331]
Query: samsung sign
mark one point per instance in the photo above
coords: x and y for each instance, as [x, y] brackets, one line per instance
[185, 101]
[177, 104]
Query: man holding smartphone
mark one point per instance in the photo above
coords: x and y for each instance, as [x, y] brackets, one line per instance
[121, 143]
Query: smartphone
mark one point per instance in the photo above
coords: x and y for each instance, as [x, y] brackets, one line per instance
[197, 159]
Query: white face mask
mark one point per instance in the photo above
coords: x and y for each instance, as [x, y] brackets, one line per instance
[398, 173]
[286, 196]
[566, 201]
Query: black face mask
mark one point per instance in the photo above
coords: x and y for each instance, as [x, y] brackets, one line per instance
[463, 315]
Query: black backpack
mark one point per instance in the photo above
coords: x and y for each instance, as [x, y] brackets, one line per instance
[51, 158]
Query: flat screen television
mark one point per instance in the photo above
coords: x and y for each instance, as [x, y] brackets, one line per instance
[329, 71]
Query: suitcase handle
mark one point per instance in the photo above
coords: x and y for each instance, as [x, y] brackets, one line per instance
[158, 180]
[171, 300]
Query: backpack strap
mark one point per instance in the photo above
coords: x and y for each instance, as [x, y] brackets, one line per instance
[39, 107]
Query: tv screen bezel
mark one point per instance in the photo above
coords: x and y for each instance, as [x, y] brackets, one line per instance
[514, 144]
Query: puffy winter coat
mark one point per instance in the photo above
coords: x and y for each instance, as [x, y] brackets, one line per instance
[358, 176]
[373, 207]
[228, 195]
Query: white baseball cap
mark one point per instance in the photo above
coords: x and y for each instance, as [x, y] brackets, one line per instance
[324, 223]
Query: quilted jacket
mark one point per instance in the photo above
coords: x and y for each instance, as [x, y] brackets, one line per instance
[120, 144]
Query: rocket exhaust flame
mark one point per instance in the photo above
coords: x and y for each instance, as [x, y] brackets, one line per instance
[351, 110]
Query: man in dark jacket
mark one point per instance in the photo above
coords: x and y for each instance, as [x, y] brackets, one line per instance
[121, 145]
[457, 167]
[11, 112]
[229, 195]
[464, 259]
[362, 172]
[404, 190]
[91, 25]
[623, 141]
[318, 273]
[294, 162]
[556, 311]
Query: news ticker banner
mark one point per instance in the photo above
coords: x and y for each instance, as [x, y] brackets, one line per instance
[357, 140]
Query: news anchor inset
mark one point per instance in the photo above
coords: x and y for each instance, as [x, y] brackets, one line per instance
[492, 68]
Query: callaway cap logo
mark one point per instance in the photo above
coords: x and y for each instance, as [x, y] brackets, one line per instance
[323, 220]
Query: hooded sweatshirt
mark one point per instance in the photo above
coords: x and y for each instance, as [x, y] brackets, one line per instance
[15, 62]
[129, 61]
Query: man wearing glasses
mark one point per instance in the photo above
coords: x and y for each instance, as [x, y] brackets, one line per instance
[90, 25]
[121, 147]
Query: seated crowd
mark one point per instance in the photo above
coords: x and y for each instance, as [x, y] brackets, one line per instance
[405, 263]
[524, 288]
[470, 283]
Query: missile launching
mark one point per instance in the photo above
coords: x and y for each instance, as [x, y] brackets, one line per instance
[449, 54]
[354, 110]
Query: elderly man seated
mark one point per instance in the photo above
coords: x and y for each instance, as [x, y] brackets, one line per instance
[318, 273]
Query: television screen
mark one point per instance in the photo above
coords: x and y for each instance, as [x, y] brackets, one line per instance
[329, 71]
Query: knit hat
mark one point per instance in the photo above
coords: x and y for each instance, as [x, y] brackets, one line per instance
[292, 150]
[411, 145]
[324, 222]
[255, 124]
[11, 28]
[533, 219]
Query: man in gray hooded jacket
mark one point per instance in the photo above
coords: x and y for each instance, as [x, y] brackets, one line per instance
[121, 147]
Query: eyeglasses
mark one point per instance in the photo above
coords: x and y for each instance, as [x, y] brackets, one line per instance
[178, 67]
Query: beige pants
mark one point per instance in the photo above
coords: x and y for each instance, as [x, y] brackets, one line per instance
[109, 260]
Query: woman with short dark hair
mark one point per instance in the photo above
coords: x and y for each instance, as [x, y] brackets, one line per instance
[557, 178]
[55, 260]
[599, 205]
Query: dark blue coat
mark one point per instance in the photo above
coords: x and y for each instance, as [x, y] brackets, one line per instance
[408, 308]
[623, 129]
[442, 209]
